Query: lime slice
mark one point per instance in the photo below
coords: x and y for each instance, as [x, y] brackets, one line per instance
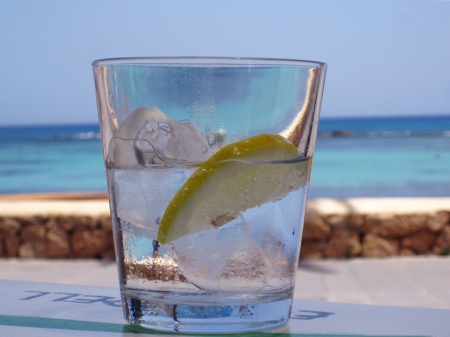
[239, 176]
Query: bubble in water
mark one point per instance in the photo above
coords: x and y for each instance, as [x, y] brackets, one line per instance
[164, 126]
[245, 311]
[216, 139]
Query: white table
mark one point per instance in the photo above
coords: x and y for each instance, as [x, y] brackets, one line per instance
[44, 309]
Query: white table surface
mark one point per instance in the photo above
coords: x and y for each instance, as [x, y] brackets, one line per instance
[44, 309]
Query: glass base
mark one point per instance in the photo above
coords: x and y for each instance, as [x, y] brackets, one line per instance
[205, 317]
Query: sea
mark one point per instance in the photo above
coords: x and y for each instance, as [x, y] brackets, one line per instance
[354, 157]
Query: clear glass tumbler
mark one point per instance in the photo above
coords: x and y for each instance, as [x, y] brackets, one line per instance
[208, 162]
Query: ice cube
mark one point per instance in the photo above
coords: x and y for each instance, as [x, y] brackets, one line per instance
[172, 141]
[122, 153]
[276, 227]
[225, 259]
[267, 227]
[153, 138]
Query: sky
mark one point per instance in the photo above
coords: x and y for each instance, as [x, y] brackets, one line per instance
[385, 58]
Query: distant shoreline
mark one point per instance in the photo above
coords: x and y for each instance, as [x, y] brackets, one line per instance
[328, 118]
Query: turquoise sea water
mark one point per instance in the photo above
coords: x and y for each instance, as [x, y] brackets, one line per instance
[355, 157]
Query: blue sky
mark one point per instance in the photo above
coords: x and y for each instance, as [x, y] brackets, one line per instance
[384, 57]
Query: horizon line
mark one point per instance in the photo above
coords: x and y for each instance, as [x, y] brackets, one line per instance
[59, 124]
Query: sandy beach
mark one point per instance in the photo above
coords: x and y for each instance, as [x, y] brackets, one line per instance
[74, 202]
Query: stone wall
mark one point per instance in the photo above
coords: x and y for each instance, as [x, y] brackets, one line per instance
[333, 228]
[56, 237]
[375, 235]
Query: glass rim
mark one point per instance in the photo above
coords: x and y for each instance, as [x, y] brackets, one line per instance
[208, 61]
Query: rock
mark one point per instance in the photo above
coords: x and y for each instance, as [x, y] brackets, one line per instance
[63, 222]
[353, 221]
[2, 249]
[356, 221]
[315, 228]
[375, 246]
[340, 133]
[77, 223]
[420, 242]
[32, 233]
[344, 243]
[26, 250]
[335, 133]
[30, 220]
[88, 243]
[32, 249]
[337, 220]
[391, 226]
[312, 250]
[108, 254]
[406, 252]
[437, 221]
[442, 245]
[85, 222]
[52, 224]
[57, 243]
[11, 244]
[111, 240]
[104, 222]
[9, 226]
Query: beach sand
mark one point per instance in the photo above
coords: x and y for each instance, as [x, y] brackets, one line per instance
[97, 202]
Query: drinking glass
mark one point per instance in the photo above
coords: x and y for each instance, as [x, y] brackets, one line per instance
[208, 163]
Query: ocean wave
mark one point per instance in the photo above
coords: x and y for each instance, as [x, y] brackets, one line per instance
[52, 137]
[76, 136]
[382, 134]
[87, 135]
